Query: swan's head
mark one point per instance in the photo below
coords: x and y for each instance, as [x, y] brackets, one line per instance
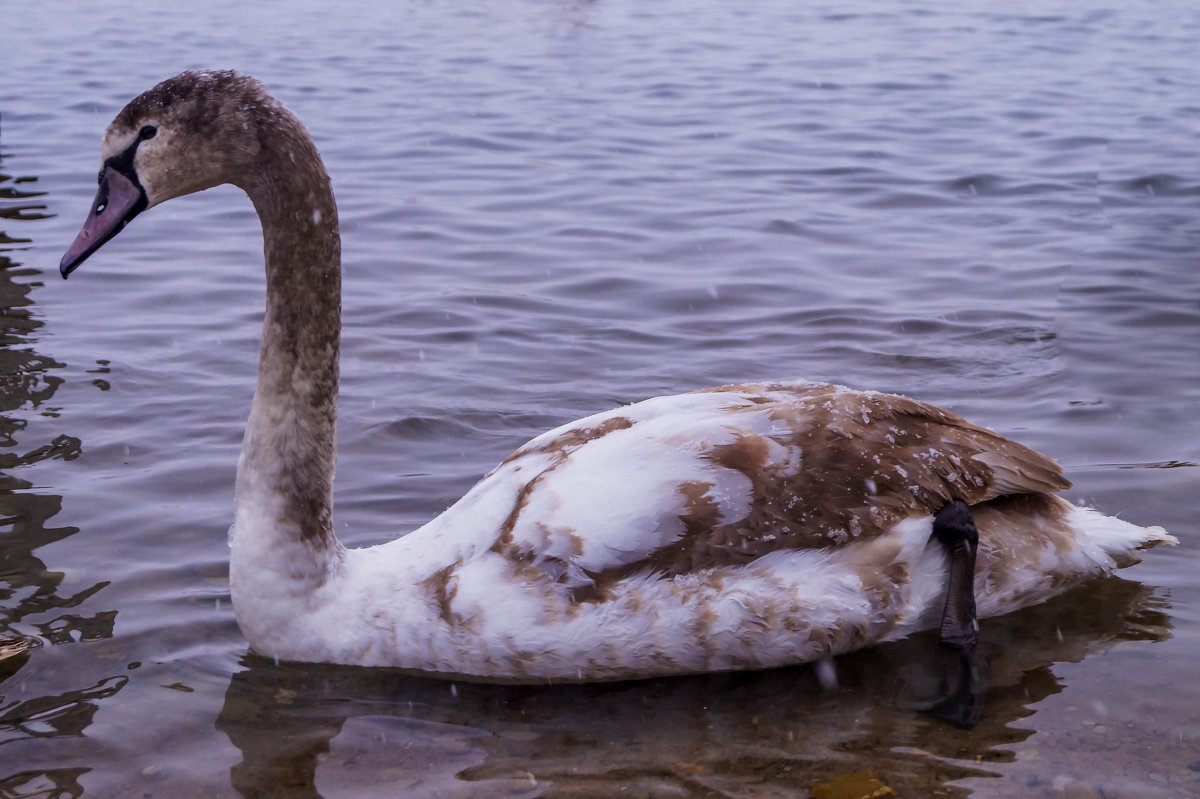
[189, 133]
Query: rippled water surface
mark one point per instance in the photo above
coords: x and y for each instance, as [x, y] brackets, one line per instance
[549, 208]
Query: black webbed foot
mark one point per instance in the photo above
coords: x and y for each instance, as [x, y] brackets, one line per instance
[955, 530]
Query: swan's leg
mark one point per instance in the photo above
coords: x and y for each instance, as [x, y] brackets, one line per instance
[955, 530]
[963, 669]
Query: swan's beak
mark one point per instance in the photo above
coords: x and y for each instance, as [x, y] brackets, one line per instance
[118, 200]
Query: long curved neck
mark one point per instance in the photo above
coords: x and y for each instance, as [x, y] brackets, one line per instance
[285, 475]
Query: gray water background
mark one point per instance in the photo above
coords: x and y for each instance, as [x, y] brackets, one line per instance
[549, 208]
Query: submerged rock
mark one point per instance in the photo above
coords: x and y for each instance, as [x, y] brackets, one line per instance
[855, 785]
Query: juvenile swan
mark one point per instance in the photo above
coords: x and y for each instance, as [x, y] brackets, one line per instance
[740, 527]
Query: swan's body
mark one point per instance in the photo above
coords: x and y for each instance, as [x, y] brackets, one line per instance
[740, 527]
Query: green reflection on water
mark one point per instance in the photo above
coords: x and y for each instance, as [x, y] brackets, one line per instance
[32, 602]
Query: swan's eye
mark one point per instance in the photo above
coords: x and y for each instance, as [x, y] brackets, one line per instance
[147, 132]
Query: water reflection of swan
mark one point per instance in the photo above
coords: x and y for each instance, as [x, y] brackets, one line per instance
[338, 732]
[741, 527]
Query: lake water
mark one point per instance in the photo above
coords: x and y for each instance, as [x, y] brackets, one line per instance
[549, 208]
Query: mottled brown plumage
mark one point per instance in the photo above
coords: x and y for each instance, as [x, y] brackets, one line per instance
[740, 527]
[866, 460]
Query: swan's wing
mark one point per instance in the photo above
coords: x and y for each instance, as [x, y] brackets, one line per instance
[720, 477]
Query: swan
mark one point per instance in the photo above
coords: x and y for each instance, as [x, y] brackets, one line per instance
[739, 527]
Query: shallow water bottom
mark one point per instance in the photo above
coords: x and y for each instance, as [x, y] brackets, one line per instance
[296, 730]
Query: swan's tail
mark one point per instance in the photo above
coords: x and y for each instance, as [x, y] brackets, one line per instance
[1034, 546]
[1118, 539]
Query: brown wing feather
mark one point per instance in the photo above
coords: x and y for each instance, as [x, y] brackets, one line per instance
[867, 461]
